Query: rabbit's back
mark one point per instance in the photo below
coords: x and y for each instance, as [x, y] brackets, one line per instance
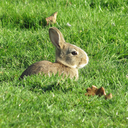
[49, 68]
[38, 67]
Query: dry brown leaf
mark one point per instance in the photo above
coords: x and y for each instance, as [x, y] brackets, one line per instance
[91, 91]
[52, 18]
[95, 91]
[108, 96]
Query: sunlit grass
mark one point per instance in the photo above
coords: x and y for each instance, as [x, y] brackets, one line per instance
[98, 27]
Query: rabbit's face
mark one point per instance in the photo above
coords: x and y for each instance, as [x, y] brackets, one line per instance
[67, 54]
[72, 56]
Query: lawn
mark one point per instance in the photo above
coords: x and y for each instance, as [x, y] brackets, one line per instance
[99, 27]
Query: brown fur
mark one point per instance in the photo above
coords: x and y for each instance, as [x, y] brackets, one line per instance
[50, 68]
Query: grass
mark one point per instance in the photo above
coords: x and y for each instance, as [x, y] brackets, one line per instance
[98, 27]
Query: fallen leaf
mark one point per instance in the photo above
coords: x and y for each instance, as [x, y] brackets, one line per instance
[108, 96]
[101, 91]
[52, 18]
[91, 91]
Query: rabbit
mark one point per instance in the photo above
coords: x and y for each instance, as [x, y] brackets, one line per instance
[69, 58]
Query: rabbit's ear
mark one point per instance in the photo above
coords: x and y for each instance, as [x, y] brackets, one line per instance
[56, 37]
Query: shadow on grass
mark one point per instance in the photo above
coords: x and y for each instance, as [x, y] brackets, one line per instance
[46, 88]
[35, 83]
[22, 21]
[51, 87]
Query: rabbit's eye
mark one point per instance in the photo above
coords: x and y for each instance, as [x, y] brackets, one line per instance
[74, 53]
